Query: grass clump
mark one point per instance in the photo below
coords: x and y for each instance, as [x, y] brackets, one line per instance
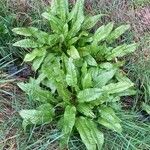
[135, 134]
[7, 22]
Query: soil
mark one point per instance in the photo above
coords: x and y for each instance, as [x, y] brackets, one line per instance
[17, 71]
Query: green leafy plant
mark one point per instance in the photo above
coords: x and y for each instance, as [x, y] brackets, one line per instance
[79, 79]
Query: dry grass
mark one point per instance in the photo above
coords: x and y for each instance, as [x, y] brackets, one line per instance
[144, 16]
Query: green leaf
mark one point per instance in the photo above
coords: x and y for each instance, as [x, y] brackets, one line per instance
[63, 92]
[86, 109]
[87, 81]
[65, 30]
[41, 115]
[121, 51]
[90, 135]
[50, 84]
[91, 21]
[85, 133]
[73, 52]
[113, 88]
[75, 29]
[84, 69]
[37, 62]
[68, 124]
[94, 71]
[57, 76]
[62, 9]
[104, 98]
[109, 119]
[83, 34]
[35, 92]
[84, 52]
[121, 76]
[146, 108]
[77, 11]
[106, 65]
[128, 92]
[96, 134]
[90, 60]
[115, 126]
[54, 7]
[102, 32]
[97, 50]
[77, 18]
[35, 53]
[47, 39]
[88, 95]
[27, 43]
[108, 114]
[54, 72]
[112, 99]
[55, 22]
[71, 76]
[40, 78]
[72, 41]
[51, 17]
[117, 33]
[37, 56]
[29, 31]
[103, 78]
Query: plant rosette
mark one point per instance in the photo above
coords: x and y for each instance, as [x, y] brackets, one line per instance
[79, 80]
